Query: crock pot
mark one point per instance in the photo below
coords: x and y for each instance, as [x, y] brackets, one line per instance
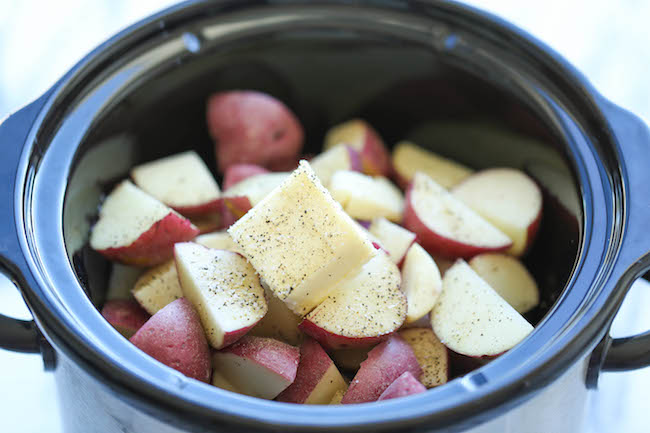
[457, 80]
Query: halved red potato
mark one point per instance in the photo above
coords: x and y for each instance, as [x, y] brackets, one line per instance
[363, 138]
[125, 315]
[238, 172]
[136, 229]
[409, 158]
[221, 381]
[242, 196]
[362, 310]
[446, 226]
[158, 287]
[317, 379]
[174, 336]
[471, 319]
[279, 322]
[431, 354]
[182, 182]
[393, 238]
[251, 127]
[338, 396]
[421, 283]
[509, 278]
[224, 288]
[508, 199]
[403, 386]
[257, 366]
[364, 197]
[385, 363]
[335, 159]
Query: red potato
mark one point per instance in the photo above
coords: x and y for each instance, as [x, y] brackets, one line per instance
[421, 283]
[158, 287]
[338, 396]
[446, 226]
[174, 336]
[431, 354]
[365, 197]
[238, 172]
[259, 367]
[409, 158]
[209, 222]
[385, 363]
[509, 278]
[317, 379]
[471, 319]
[136, 229]
[392, 237]
[250, 127]
[126, 316]
[220, 381]
[224, 288]
[279, 322]
[508, 199]
[182, 182]
[358, 134]
[403, 386]
[241, 197]
[335, 159]
[301, 242]
[363, 310]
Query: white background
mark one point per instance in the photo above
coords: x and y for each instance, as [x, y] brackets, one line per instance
[608, 41]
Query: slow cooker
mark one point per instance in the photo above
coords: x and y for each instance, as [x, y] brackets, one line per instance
[459, 81]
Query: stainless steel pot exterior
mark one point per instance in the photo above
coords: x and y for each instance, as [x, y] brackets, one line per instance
[91, 406]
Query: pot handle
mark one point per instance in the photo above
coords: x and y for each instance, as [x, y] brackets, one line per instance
[16, 335]
[633, 136]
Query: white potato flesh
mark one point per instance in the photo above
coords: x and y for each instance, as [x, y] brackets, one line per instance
[301, 241]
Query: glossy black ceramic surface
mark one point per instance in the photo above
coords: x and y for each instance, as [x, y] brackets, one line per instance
[454, 80]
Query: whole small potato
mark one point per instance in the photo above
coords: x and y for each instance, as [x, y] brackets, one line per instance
[253, 128]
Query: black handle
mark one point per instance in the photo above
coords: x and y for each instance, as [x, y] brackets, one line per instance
[633, 136]
[16, 335]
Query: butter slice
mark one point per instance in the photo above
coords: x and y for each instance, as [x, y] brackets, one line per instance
[301, 242]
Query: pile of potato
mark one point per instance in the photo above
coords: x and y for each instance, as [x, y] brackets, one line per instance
[297, 275]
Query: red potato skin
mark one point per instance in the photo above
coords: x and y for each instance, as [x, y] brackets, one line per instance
[156, 245]
[437, 245]
[355, 160]
[208, 223]
[272, 354]
[238, 172]
[174, 336]
[314, 362]
[531, 235]
[125, 315]
[199, 210]
[404, 385]
[232, 337]
[233, 208]
[332, 341]
[385, 363]
[253, 128]
[375, 159]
